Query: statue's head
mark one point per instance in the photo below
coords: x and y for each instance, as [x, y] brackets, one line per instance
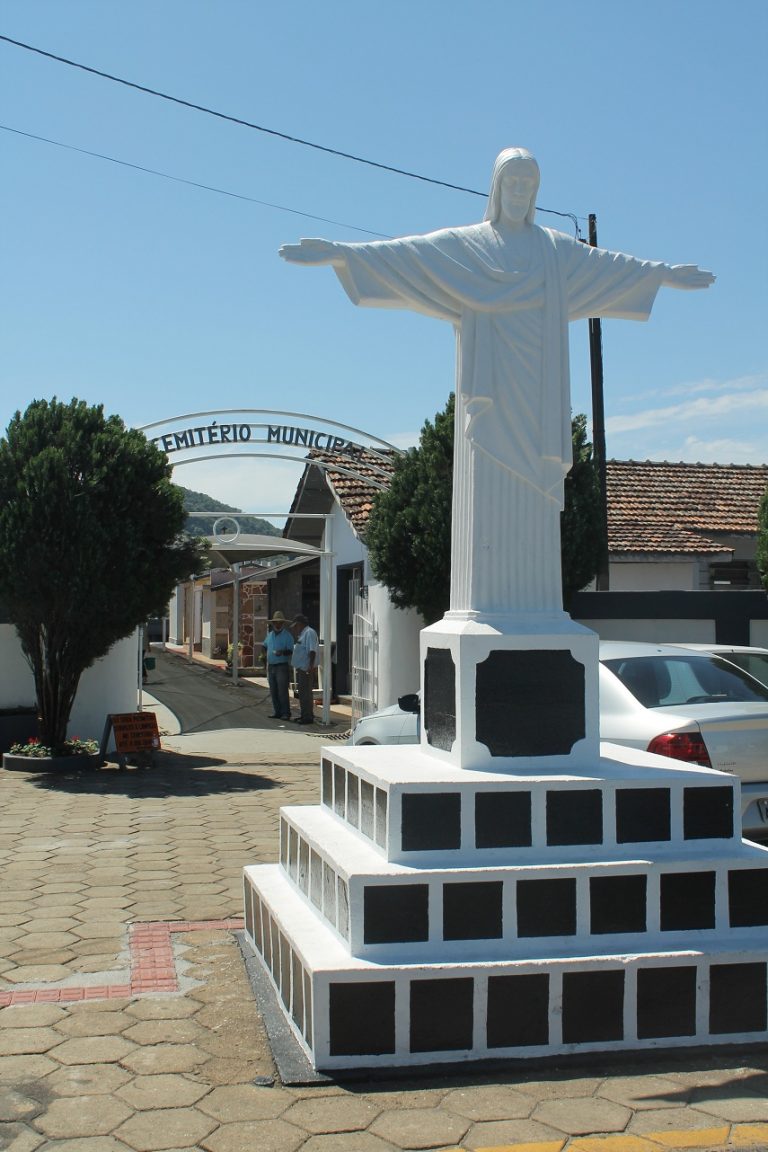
[511, 165]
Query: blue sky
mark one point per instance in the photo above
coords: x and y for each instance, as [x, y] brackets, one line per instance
[156, 298]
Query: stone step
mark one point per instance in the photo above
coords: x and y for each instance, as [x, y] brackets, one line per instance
[414, 809]
[353, 1012]
[383, 910]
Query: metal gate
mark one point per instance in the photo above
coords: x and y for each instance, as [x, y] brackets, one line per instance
[365, 656]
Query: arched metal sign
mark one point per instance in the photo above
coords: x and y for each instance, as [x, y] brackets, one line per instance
[273, 434]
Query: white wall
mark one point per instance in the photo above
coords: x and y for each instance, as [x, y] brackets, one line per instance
[399, 665]
[647, 576]
[17, 688]
[110, 685]
[655, 631]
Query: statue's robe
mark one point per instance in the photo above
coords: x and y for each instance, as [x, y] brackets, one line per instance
[513, 430]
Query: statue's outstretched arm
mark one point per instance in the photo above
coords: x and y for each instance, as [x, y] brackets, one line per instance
[688, 277]
[312, 251]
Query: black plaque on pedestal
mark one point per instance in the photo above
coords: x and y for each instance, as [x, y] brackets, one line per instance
[530, 703]
[440, 698]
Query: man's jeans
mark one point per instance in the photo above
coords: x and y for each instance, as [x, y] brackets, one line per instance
[278, 677]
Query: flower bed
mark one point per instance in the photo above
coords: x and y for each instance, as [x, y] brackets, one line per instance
[35, 756]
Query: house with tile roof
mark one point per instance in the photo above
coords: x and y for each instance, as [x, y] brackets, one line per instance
[672, 528]
[684, 527]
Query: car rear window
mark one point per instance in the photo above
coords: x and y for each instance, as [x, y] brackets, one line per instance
[753, 662]
[667, 681]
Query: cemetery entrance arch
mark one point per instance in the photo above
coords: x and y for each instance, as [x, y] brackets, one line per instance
[272, 434]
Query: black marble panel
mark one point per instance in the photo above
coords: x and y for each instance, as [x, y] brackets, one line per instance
[666, 1002]
[472, 910]
[293, 854]
[381, 817]
[304, 866]
[353, 799]
[339, 791]
[502, 819]
[440, 698]
[687, 901]
[267, 939]
[708, 813]
[297, 1000]
[617, 904]
[248, 901]
[518, 1010]
[395, 913]
[530, 703]
[366, 808]
[642, 814]
[257, 918]
[285, 971]
[326, 782]
[431, 821]
[593, 1006]
[362, 1018]
[308, 1008]
[441, 1014]
[546, 907]
[748, 897]
[737, 998]
[329, 893]
[575, 816]
[316, 879]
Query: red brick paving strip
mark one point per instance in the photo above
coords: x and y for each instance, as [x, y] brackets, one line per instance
[153, 968]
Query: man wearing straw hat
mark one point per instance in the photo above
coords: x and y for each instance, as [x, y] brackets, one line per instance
[278, 646]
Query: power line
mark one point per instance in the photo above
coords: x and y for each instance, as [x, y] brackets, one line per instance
[192, 183]
[261, 128]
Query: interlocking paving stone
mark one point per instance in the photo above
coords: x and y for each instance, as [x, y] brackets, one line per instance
[31, 1015]
[489, 1102]
[654, 1123]
[334, 1114]
[16, 1105]
[93, 1050]
[350, 1142]
[17, 1137]
[581, 1115]
[165, 1129]
[261, 1135]
[705, 1138]
[95, 1024]
[164, 1058]
[28, 1041]
[730, 1106]
[238, 1102]
[87, 1079]
[417, 1128]
[503, 1133]
[166, 1090]
[644, 1092]
[82, 1116]
[612, 1144]
[749, 1135]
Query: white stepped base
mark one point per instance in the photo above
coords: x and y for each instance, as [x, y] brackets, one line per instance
[349, 1012]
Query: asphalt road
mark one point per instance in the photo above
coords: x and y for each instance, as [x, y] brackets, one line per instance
[204, 699]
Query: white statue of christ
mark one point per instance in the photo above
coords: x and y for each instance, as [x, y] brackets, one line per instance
[509, 288]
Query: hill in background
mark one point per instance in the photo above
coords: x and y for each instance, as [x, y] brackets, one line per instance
[203, 525]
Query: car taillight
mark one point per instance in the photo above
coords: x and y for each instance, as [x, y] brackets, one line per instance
[688, 746]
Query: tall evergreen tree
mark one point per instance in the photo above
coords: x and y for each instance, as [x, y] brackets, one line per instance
[409, 528]
[762, 539]
[90, 542]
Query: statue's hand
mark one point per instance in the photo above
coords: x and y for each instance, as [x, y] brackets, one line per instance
[312, 252]
[688, 277]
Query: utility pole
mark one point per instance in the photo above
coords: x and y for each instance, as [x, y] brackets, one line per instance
[598, 424]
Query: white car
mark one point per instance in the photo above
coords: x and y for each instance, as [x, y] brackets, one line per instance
[752, 660]
[691, 705]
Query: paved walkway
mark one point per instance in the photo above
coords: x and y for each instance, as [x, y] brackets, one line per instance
[127, 1020]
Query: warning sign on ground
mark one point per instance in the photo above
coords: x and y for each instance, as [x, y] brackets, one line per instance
[134, 732]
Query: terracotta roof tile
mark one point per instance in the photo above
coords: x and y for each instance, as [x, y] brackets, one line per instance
[654, 506]
[355, 493]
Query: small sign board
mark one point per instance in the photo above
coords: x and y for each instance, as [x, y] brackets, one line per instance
[133, 731]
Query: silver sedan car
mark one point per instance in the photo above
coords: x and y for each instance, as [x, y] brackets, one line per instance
[691, 705]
